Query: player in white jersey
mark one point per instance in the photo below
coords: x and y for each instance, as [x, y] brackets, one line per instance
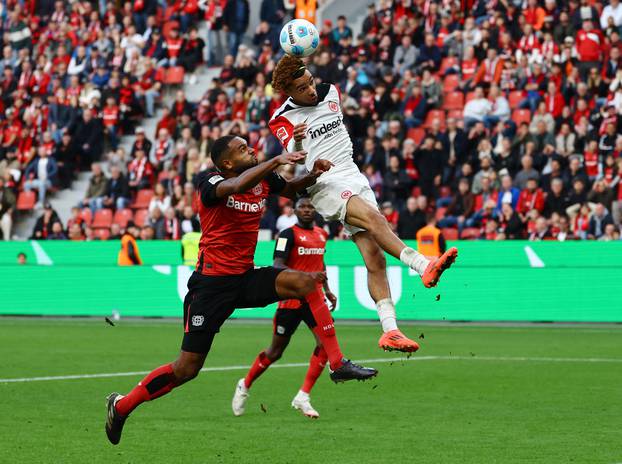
[311, 119]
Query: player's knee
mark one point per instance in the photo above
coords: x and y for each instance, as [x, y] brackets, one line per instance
[186, 371]
[274, 353]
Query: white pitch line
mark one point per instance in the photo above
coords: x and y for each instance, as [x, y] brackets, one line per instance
[304, 364]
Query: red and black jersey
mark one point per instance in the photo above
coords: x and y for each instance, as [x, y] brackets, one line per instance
[303, 250]
[230, 225]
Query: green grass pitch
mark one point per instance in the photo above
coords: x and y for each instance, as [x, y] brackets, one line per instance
[477, 394]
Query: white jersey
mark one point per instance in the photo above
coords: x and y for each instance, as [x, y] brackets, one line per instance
[326, 137]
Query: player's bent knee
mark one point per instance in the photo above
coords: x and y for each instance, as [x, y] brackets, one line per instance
[274, 353]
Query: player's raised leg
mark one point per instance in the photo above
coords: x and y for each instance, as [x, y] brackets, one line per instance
[378, 284]
[302, 285]
[263, 360]
[361, 214]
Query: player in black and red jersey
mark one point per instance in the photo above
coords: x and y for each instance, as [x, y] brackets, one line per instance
[230, 208]
[300, 247]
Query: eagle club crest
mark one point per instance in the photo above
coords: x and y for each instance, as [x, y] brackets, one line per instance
[333, 106]
[257, 189]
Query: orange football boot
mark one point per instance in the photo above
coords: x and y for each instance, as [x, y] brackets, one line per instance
[437, 266]
[395, 340]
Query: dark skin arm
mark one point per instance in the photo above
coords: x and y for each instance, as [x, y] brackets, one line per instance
[251, 177]
[300, 183]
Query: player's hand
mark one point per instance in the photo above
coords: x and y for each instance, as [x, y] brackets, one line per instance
[319, 277]
[291, 158]
[332, 299]
[321, 166]
[299, 132]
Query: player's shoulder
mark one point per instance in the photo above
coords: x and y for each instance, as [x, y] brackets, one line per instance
[289, 233]
[320, 231]
[286, 111]
[212, 177]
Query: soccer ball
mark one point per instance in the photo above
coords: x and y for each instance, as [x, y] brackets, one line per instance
[299, 37]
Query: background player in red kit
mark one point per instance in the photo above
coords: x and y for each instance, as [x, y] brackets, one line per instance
[230, 208]
[300, 247]
[311, 119]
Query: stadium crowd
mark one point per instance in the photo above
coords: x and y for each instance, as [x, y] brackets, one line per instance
[501, 118]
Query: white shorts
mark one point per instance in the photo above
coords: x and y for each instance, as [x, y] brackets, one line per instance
[333, 189]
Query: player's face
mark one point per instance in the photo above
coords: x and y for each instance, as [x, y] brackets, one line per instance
[241, 156]
[303, 91]
[305, 211]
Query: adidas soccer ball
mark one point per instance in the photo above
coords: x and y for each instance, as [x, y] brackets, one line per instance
[299, 37]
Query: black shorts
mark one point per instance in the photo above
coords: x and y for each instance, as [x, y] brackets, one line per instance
[212, 299]
[287, 320]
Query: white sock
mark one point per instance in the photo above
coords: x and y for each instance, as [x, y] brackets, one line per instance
[302, 395]
[414, 260]
[386, 313]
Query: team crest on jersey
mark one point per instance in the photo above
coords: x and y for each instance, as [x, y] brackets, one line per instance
[333, 106]
[257, 189]
[282, 134]
[346, 194]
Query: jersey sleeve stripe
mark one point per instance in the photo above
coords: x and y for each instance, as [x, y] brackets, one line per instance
[282, 129]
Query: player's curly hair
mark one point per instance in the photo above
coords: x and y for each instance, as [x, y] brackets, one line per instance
[286, 71]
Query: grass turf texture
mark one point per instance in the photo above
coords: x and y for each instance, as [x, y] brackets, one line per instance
[433, 411]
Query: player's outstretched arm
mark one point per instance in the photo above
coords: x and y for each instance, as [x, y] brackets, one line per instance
[251, 177]
[300, 183]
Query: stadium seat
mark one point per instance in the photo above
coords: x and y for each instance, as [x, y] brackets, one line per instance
[521, 116]
[416, 133]
[451, 83]
[515, 97]
[122, 216]
[453, 101]
[174, 76]
[102, 234]
[143, 197]
[448, 62]
[102, 219]
[26, 200]
[440, 213]
[455, 114]
[141, 217]
[450, 233]
[470, 233]
[87, 215]
[469, 96]
[160, 74]
[432, 115]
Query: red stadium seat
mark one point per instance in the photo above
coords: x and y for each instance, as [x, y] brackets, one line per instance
[453, 101]
[416, 133]
[160, 74]
[451, 83]
[143, 197]
[26, 200]
[174, 76]
[449, 233]
[432, 115]
[515, 97]
[521, 116]
[440, 213]
[455, 114]
[87, 215]
[469, 96]
[102, 234]
[470, 233]
[102, 219]
[141, 217]
[122, 216]
[448, 62]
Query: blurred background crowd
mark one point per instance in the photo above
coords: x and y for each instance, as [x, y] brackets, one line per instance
[500, 118]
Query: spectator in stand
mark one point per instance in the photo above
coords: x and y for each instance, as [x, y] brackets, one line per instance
[235, 17]
[287, 219]
[406, 55]
[476, 109]
[117, 193]
[390, 214]
[96, 189]
[88, 137]
[396, 184]
[510, 223]
[41, 174]
[43, 226]
[528, 172]
[412, 218]
[611, 234]
[500, 108]
[428, 162]
[7, 206]
[160, 199]
[541, 231]
[57, 232]
[460, 208]
[590, 47]
[599, 220]
[531, 197]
